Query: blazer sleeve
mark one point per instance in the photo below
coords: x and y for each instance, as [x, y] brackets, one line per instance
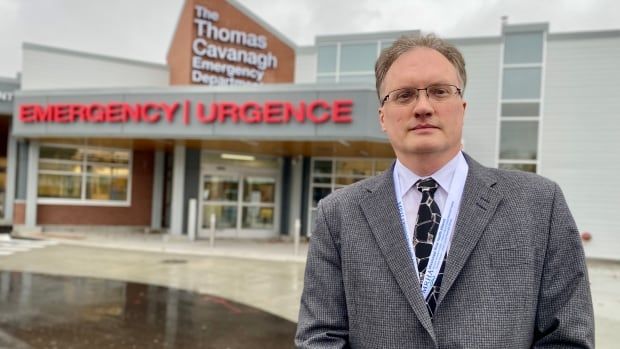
[564, 315]
[323, 320]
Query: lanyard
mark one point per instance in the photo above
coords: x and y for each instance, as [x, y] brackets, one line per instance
[446, 225]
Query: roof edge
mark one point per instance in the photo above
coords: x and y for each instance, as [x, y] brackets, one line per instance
[53, 49]
[263, 23]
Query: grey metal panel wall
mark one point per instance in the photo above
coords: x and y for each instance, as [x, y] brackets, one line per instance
[7, 88]
[482, 61]
[580, 143]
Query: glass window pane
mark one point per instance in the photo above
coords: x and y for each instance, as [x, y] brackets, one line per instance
[347, 180]
[116, 157]
[106, 188]
[519, 140]
[323, 166]
[383, 165]
[322, 180]
[56, 166]
[262, 162]
[103, 182]
[257, 217]
[259, 189]
[523, 48]
[119, 188]
[220, 188]
[225, 216]
[51, 152]
[354, 167]
[327, 59]
[358, 78]
[120, 171]
[59, 186]
[521, 83]
[318, 194]
[520, 109]
[520, 167]
[358, 57]
[99, 170]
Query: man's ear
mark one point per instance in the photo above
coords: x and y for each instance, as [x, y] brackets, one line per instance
[381, 118]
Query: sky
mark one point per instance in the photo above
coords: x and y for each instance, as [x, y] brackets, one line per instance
[142, 29]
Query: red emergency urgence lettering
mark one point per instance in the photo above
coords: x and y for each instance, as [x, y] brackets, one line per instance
[150, 112]
[276, 112]
[269, 112]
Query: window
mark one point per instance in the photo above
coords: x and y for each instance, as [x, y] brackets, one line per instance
[84, 174]
[523, 48]
[348, 62]
[521, 100]
[358, 57]
[334, 173]
[521, 83]
[327, 68]
[519, 140]
[520, 109]
[328, 56]
[518, 166]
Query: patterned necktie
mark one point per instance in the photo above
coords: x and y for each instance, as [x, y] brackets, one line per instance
[426, 228]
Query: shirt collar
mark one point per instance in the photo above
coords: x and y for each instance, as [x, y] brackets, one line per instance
[443, 176]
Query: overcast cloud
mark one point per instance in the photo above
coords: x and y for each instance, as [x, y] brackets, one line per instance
[142, 29]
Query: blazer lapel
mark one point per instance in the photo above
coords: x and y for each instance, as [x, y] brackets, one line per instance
[381, 211]
[478, 205]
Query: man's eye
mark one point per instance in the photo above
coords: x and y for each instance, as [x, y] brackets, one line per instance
[439, 91]
[404, 95]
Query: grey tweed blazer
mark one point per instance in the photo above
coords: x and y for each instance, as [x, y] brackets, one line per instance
[515, 275]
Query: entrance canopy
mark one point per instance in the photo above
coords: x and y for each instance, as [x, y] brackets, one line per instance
[275, 115]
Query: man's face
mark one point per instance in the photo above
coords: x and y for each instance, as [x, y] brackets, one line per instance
[424, 127]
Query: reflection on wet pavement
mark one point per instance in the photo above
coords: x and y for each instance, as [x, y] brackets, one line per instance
[43, 311]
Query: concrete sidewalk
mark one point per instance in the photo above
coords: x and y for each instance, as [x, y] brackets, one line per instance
[269, 250]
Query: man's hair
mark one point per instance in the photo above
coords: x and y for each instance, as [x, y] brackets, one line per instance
[407, 43]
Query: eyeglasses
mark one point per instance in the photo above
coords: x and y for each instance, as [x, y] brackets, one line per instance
[408, 95]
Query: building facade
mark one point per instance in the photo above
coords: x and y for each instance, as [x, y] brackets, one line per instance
[252, 131]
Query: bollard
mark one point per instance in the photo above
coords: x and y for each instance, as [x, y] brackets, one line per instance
[296, 235]
[212, 232]
[191, 220]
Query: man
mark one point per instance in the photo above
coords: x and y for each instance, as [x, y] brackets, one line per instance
[441, 252]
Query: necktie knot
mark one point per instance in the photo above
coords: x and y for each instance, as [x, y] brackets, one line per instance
[427, 185]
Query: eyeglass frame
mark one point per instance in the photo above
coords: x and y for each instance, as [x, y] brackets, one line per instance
[459, 91]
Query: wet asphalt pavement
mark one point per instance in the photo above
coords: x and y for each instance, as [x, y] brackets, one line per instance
[45, 311]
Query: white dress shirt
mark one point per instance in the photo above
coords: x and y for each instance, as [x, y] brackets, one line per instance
[411, 197]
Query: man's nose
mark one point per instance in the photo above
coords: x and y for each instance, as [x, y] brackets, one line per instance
[423, 107]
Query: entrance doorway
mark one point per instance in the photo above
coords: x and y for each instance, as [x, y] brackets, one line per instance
[243, 199]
